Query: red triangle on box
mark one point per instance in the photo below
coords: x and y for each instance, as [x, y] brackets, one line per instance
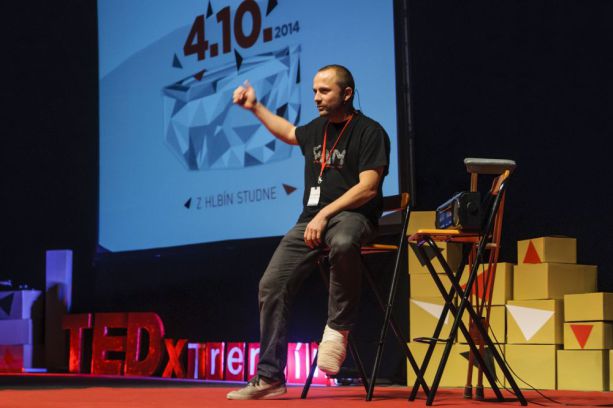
[532, 257]
[582, 332]
[479, 288]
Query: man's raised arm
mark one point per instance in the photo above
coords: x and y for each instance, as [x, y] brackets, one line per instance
[245, 97]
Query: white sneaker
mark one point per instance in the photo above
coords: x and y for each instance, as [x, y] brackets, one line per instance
[258, 388]
[332, 350]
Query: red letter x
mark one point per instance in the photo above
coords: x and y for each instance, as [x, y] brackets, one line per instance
[174, 354]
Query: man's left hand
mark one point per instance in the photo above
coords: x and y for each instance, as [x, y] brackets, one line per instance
[314, 232]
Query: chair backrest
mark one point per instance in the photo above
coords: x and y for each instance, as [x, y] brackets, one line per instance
[496, 167]
[396, 202]
[493, 205]
[394, 216]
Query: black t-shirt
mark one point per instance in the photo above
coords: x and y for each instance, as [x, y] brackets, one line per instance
[364, 145]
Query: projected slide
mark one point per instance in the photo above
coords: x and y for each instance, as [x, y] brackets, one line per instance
[179, 163]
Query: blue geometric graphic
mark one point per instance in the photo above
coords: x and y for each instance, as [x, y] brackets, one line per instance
[205, 133]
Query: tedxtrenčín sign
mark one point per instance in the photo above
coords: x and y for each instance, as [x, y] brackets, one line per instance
[133, 344]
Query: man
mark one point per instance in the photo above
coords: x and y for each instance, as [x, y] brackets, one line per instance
[346, 158]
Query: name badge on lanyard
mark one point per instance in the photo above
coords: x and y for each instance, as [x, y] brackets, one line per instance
[314, 197]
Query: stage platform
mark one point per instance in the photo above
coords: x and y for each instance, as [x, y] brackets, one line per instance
[76, 391]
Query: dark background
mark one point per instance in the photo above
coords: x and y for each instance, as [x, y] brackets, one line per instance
[525, 80]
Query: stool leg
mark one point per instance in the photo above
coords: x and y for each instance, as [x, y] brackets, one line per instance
[309, 381]
[389, 321]
[387, 310]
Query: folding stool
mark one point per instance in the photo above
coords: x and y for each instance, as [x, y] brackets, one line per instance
[398, 203]
[475, 246]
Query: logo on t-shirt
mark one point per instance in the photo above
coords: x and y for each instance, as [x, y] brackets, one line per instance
[335, 159]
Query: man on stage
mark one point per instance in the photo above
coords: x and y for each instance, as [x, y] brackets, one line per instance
[346, 158]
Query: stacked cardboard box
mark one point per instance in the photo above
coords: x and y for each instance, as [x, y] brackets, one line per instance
[546, 271]
[545, 302]
[588, 339]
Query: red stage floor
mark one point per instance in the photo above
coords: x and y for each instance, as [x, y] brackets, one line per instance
[46, 391]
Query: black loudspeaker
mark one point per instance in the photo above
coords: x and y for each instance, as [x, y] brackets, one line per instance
[462, 211]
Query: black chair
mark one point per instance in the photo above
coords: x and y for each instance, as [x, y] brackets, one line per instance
[392, 206]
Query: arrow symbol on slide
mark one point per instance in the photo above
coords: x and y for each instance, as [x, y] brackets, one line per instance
[199, 75]
[188, 203]
[288, 189]
[176, 63]
[271, 6]
[239, 60]
[5, 304]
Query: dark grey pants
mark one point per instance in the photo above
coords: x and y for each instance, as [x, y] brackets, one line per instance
[290, 265]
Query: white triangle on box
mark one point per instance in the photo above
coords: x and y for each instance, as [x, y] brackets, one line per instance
[432, 308]
[529, 320]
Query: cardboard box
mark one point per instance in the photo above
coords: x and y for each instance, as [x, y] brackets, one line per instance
[547, 249]
[503, 282]
[534, 364]
[421, 220]
[535, 321]
[456, 369]
[552, 280]
[583, 370]
[424, 285]
[424, 314]
[588, 307]
[588, 336]
[497, 325]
